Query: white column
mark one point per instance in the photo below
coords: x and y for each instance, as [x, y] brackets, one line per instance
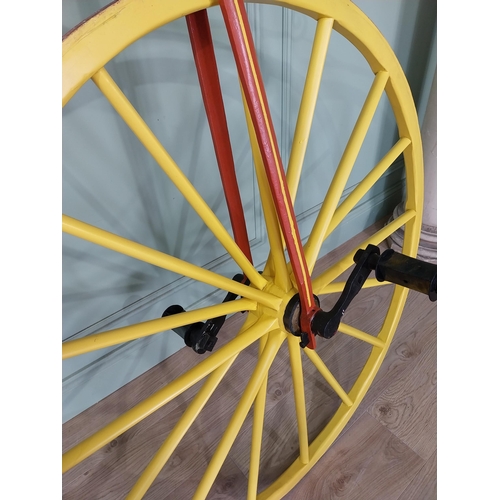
[427, 249]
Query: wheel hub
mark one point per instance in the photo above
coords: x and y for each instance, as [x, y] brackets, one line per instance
[291, 318]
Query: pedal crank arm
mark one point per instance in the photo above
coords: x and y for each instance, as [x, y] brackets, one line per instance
[326, 323]
[390, 266]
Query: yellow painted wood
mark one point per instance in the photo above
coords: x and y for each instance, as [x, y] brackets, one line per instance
[277, 256]
[327, 375]
[141, 252]
[132, 118]
[320, 228]
[414, 337]
[97, 341]
[105, 35]
[163, 396]
[308, 103]
[358, 334]
[299, 396]
[87, 49]
[339, 286]
[184, 423]
[326, 437]
[257, 428]
[274, 341]
[367, 183]
[343, 264]
[295, 240]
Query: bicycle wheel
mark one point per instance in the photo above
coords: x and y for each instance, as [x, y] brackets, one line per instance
[86, 50]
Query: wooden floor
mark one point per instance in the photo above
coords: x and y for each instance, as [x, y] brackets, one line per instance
[387, 450]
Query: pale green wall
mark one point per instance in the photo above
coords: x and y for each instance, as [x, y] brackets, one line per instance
[109, 180]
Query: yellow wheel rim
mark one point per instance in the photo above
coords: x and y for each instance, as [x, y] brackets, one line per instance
[86, 50]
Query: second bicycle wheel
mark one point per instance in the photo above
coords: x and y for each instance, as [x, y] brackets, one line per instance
[183, 402]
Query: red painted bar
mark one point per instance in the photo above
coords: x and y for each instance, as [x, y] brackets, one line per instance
[241, 40]
[206, 66]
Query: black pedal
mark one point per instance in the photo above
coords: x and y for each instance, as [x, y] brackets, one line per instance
[405, 271]
[202, 337]
[390, 266]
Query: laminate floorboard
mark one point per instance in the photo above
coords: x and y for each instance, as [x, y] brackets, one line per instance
[366, 463]
[387, 450]
[407, 407]
[424, 484]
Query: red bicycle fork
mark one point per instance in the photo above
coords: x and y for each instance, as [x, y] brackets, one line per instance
[240, 37]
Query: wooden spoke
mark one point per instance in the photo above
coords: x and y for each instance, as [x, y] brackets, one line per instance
[257, 428]
[87, 50]
[277, 255]
[237, 25]
[160, 259]
[339, 286]
[358, 334]
[170, 444]
[344, 169]
[127, 333]
[366, 184]
[132, 118]
[308, 103]
[139, 412]
[325, 278]
[274, 342]
[327, 375]
[299, 395]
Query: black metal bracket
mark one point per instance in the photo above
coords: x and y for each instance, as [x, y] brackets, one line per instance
[291, 319]
[390, 266]
[326, 323]
[202, 337]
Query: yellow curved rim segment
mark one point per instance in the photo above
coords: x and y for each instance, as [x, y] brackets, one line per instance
[86, 51]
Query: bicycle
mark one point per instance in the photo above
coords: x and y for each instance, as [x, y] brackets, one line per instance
[281, 301]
